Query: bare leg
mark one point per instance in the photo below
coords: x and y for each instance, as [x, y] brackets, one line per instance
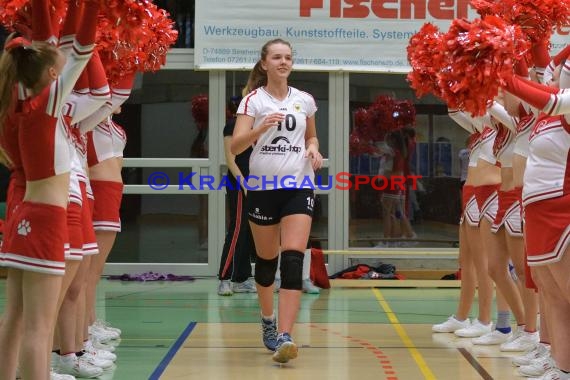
[544, 332]
[480, 260]
[266, 240]
[529, 297]
[559, 272]
[82, 321]
[40, 293]
[71, 268]
[67, 319]
[558, 315]
[387, 215]
[294, 236]
[63, 323]
[11, 327]
[406, 228]
[105, 241]
[496, 247]
[468, 276]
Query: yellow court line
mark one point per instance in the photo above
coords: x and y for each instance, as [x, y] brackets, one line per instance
[418, 358]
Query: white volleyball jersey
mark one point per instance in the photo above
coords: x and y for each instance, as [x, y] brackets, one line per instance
[546, 175]
[487, 141]
[278, 155]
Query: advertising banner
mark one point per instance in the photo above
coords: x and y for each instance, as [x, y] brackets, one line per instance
[326, 35]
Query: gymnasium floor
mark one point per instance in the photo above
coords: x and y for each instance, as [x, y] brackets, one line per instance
[185, 330]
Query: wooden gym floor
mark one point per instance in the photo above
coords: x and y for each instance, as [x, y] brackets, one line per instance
[184, 330]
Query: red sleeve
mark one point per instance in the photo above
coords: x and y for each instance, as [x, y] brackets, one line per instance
[88, 24]
[541, 58]
[535, 94]
[521, 68]
[540, 54]
[122, 90]
[98, 84]
[119, 94]
[82, 48]
[70, 24]
[91, 90]
[126, 82]
[82, 84]
[41, 22]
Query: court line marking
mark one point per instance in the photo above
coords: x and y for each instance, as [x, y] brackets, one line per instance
[475, 364]
[383, 359]
[404, 337]
[158, 371]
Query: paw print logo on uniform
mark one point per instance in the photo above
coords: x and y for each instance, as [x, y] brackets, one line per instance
[24, 227]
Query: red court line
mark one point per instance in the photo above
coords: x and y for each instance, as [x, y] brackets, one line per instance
[383, 360]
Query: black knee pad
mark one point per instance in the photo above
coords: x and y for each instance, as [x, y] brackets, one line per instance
[265, 271]
[292, 270]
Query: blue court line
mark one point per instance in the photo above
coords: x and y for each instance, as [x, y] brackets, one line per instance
[172, 351]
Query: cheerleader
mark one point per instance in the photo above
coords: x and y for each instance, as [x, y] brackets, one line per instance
[33, 246]
[545, 202]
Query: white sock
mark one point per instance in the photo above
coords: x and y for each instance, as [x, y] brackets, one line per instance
[270, 318]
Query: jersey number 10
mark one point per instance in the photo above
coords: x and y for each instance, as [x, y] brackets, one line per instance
[290, 123]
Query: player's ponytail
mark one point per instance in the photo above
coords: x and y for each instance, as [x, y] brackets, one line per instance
[257, 78]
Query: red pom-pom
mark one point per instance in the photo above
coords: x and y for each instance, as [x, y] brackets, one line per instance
[480, 56]
[161, 34]
[16, 15]
[404, 113]
[537, 18]
[133, 35]
[199, 107]
[424, 55]
[372, 124]
[359, 145]
[486, 7]
[15, 12]
[382, 117]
